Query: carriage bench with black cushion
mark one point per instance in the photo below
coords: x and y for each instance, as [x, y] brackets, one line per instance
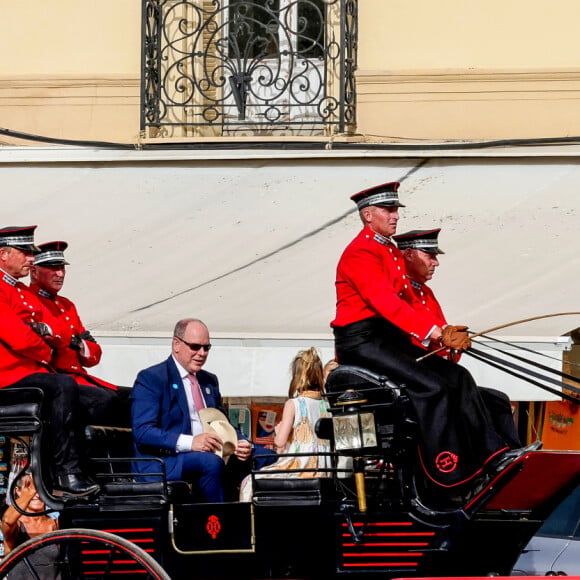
[110, 450]
[20, 410]
[292, 492]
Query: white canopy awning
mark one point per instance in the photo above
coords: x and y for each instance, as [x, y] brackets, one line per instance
[249, 242]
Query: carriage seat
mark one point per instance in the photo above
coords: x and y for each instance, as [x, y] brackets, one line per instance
[20, 410]
[377, 388]
[291, 492]
[111, 456]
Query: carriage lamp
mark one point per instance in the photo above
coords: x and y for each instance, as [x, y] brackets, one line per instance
[353, 432]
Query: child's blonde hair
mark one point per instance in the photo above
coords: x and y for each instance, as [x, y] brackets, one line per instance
[307, 374]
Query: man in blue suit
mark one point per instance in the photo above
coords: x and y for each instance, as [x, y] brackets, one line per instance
[166, 424]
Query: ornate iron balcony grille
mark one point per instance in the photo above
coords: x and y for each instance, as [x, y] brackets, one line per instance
[248, 67]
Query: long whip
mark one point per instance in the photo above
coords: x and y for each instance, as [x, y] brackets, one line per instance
[508, 324]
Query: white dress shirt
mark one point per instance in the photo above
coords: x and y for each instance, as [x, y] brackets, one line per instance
[184, 442]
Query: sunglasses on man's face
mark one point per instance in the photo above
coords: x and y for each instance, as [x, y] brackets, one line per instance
[194, 346]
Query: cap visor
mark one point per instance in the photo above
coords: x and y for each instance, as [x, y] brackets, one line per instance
[389, 204]
[430, 250]
[51, 263]
[27, 248]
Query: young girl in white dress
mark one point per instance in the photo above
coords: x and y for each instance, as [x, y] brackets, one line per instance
[295, 432]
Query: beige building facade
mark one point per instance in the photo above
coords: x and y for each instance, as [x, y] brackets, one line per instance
[435, 71]
[456, 70]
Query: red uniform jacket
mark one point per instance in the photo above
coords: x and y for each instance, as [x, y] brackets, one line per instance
[371, 282]
[22, 351]
[65, 359]
[421, 297]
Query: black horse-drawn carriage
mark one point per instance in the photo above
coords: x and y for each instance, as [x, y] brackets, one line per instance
[369, 516]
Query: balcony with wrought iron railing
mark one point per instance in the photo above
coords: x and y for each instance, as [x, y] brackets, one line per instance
[248, 68]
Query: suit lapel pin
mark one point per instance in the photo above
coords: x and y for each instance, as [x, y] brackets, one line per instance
[207, 391]
[174, 386]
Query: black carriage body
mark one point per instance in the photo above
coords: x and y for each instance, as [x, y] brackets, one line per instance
[216, 541]
[309, 528]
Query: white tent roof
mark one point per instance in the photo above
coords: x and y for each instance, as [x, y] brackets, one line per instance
[250, 245]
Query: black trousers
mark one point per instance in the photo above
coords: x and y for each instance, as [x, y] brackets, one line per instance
[69, 407]
[500, 409]
[102, 406]
[457, 432]
[61, 404]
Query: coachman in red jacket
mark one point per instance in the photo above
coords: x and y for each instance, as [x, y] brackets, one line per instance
[421, 251]
[47, 278]
[376, 328]
[28, 333]
[109, 403]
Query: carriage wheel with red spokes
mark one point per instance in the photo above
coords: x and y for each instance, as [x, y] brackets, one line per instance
[72, 554]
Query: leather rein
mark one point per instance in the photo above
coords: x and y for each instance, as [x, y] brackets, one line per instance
[531, 376]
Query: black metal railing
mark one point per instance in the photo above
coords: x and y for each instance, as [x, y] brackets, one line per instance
[248, 67]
